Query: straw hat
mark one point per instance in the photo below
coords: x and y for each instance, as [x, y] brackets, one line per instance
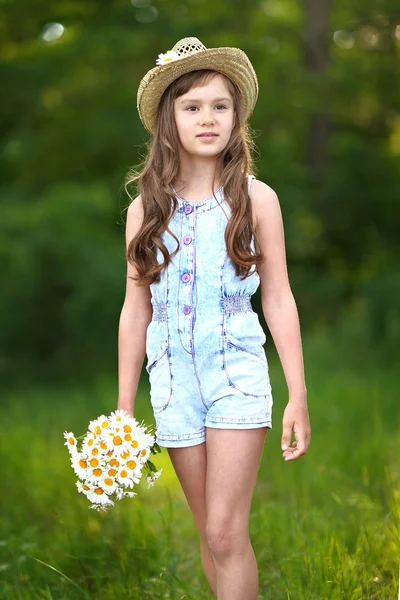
[189, 54]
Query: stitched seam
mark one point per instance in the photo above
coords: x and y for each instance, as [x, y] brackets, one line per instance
[193, 312]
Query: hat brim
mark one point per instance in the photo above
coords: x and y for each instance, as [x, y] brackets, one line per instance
[232, 62]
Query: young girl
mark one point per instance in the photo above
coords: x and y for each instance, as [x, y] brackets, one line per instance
[195, 256]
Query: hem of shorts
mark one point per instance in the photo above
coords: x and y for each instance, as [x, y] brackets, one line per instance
[182, 441]
[237, 423]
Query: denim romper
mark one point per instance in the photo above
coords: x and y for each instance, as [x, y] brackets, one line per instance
[205, 358]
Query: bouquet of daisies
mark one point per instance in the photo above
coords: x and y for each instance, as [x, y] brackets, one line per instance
[113, 455]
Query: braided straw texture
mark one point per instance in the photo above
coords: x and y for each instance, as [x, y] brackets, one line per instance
[233, 62]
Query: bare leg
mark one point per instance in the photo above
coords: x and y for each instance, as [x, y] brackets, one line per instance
[233, 459]
[190, 465]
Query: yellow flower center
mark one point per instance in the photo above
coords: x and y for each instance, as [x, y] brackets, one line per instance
[71, 441]
[99, 491]
[82, 463]
[112, 472]
[110, 452]
[103, 445]
[123, 473]
[97, 430]
[85, 487]
[94, 462]
[124, 455]
[97, 472]
[109, 481]
[104, 424]
[117, 440]
[143, 452]
[131, 464]
[127, 428]
[95, 451]
[90, 442]
[127, 437]
[135, 444]
[114, 462]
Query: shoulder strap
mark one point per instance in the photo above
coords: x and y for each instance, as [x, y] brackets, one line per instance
[250, 179]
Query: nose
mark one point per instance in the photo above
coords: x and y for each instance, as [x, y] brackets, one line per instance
[207, 117]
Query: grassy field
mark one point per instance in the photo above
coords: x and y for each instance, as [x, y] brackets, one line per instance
[324, 527]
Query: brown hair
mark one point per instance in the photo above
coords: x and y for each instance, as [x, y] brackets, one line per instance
[160, 168]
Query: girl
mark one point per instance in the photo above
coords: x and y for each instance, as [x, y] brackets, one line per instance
[190, 254]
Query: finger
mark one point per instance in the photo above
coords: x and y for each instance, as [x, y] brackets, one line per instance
[287, 430]
[289, 453]
[296, 453]
[290, 449]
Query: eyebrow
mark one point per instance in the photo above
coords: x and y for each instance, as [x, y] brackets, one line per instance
[198, 100]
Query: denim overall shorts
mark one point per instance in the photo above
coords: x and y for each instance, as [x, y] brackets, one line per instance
[206, 362]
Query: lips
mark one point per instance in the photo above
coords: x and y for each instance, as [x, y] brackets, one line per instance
[208, 135]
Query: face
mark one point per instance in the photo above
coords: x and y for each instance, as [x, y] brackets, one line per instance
[201, 110]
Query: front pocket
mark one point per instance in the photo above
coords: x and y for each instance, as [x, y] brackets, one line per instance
[246, 368]
[153, 359]
[159, 370]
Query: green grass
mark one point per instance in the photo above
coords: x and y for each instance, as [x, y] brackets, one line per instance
[324, 527]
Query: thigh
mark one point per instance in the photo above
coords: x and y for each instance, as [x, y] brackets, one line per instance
[190, 464]
[233, 460]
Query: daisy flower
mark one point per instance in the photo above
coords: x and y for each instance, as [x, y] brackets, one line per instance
[80, 465]
[167, 57]
[126, 477]
[71, 442]
[133, 464]
[120, 494]
[109, 484]
[118, 418]
[97, 426]
[115, 442]
[83, 488]
[151, 478]
[98, 496]
[89, 442]
[144, 454]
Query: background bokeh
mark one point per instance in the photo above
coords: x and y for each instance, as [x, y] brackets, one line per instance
[327, 131]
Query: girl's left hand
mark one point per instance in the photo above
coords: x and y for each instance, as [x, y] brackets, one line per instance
[296, 420]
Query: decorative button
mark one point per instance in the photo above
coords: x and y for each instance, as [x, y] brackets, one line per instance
[186, 309]
[186, 277]
[187, 239]
[188, 209]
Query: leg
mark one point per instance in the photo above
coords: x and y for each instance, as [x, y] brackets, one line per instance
[233, 459]
[190, 465]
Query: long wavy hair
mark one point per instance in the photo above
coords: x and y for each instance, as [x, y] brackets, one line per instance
[159, 170]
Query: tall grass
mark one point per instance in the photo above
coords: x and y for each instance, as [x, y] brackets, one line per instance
[324, 527]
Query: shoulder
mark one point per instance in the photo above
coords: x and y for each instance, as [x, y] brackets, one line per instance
[136, 206]
[134, 217]
[264, 201]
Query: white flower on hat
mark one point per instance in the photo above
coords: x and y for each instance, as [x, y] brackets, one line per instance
[169, 56]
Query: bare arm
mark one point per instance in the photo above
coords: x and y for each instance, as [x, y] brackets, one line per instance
[278, 303]
[135, 317]
[280, 311]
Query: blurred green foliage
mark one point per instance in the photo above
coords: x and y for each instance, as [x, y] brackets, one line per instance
[69, 131]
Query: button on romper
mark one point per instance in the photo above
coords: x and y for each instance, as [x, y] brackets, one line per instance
[204, 345]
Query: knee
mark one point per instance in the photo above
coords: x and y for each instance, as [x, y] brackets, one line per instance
[224, 539]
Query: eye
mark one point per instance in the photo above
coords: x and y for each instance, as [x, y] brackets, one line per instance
[218, 105]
